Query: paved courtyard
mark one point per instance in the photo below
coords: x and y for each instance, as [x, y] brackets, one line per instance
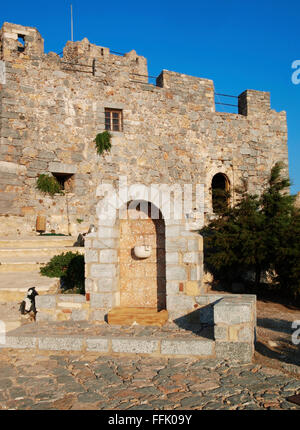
[64, 380]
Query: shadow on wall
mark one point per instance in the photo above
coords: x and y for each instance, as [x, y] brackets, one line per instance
[200, 321]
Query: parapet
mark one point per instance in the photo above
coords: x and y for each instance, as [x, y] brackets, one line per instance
[254, 102]
[16, 39]
[193, 90]
[85, 52]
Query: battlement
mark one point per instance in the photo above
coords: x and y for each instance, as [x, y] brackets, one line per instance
[18, 42]
[16, 39]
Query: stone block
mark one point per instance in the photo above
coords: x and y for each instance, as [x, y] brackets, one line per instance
[79, 315]
[137, 346]
[232, 313]
[106, 285]
[246, 334]
[108, 256]
[202, 300]
[173, 230]
[61, 343]
[46, 301]
[97, 345]
[104, 243]
[180, 303]
[98, 315]
[56, 167]
[221, 333]
[203, 348]
[91, 256]
[176, 273]
[101, 300]
[20, 342]
[103, 270]
[45, 316]
[172, 287]
[176, 245]
[172, 257]
[192, 288]
[190, 257]
[71, 298]
[107, 232]
[235, 351]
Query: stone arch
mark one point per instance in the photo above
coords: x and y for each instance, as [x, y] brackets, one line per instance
[220, 187]
[142, 282]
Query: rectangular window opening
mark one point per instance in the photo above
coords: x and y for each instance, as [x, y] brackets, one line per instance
[113, 119]
[21, 43]
[66, 181]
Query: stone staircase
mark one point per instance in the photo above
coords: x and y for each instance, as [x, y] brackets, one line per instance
[20, 262]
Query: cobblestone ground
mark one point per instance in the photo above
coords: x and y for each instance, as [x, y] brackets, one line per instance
[44, 380]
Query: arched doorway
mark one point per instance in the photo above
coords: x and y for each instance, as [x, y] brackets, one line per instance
[142, 280]
[220, 187]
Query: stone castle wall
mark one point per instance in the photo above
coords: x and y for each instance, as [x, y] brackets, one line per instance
[52, 108]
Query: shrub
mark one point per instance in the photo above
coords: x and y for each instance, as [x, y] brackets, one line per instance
[48, 184]
[103, 142]
[69, 267]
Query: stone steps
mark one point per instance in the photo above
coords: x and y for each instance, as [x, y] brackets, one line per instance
[11, 261]
[11, 253]
[20, 262]
[38, 242]
[13, 285]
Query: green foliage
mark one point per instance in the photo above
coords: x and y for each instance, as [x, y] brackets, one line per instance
[287, 261]
[69, 267]
[258, 234]
[48, 184]
[79, 220]
[103, 142]
[220, 200]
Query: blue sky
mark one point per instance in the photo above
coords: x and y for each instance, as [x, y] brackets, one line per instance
[240, 45]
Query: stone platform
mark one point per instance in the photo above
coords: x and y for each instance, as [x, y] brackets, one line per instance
[169, 340]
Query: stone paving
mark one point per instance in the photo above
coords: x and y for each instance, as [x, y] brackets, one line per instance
[68, 380]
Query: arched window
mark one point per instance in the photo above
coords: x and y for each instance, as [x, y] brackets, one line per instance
[220, 187]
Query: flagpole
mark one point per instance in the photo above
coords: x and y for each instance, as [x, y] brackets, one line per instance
[72, 23]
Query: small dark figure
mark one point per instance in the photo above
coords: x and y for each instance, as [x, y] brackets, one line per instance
[28, 304]
[81, 237]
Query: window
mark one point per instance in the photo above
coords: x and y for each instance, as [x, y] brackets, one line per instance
[220, 193]
[21, 44]
[113, 119]
[66, 181]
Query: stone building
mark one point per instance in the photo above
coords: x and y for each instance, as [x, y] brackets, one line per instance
[53, 107]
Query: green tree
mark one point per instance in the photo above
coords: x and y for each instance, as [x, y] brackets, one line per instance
[252, 235]
[287, 261]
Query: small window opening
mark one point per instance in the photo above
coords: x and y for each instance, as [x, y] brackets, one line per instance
[66, 181]
[113, 119]
[220, 193]
[21, 43]
[102, 51]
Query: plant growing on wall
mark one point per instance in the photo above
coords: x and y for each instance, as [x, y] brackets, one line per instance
[69, 267]
[103, 142]
[48, 184]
